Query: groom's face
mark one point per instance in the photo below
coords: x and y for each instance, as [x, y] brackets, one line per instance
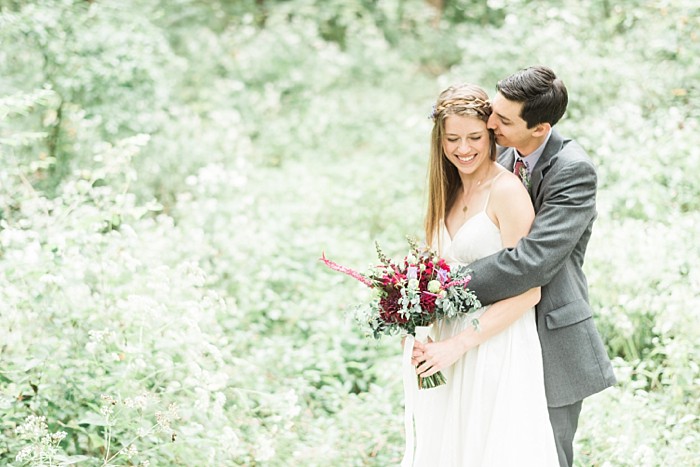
[510, 129]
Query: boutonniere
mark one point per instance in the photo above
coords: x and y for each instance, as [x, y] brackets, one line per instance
[524, 177]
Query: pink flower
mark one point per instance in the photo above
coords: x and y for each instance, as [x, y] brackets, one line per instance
[350, 272]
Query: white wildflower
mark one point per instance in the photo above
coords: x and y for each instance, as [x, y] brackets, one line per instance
[229, 438]
[202, 399]
[163, 419]
[138, 402]
[131, 451]
[107, 399]
[265, 450]
[33, 427]
[24, 454]
[57, 437]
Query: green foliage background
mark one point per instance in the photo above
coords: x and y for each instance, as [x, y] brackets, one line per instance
[171, 171]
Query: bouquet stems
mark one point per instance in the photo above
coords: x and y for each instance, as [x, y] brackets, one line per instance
[431, 381]
[437, 379]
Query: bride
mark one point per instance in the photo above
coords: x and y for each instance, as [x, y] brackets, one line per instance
[492, 411]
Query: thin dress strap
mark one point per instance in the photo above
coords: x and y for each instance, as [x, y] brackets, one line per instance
[488, 196]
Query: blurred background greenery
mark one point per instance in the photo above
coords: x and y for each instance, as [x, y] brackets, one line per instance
[172, 170]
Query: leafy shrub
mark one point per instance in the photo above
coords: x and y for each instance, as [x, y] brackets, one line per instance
[171, 173]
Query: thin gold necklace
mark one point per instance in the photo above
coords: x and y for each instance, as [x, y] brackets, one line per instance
[465, 197]
[469, 192]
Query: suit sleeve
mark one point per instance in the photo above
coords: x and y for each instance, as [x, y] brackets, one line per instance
[566, 212]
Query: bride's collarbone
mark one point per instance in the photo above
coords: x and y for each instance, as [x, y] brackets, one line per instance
[464, 210]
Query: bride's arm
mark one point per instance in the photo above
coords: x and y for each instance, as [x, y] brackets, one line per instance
[511, 208]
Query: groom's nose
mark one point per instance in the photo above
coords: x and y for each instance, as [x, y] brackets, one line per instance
[491, 122]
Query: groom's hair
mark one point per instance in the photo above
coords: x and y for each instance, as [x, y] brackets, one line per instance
[543, 95]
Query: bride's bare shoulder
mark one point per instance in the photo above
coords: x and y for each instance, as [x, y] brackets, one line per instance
[508, 194]
[506, 184]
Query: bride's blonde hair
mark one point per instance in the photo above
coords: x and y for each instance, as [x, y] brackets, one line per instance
[444, 183]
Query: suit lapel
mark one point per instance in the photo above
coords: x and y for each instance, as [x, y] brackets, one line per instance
[552, 148]
[507, 158]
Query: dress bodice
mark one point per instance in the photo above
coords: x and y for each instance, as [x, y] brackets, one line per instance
[477, 238]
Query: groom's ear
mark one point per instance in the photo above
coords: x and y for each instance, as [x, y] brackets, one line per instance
[541, 129]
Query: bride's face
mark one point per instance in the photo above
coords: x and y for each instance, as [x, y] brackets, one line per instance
[466, 142]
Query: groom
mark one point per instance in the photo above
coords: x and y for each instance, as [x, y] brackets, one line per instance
[561, 180]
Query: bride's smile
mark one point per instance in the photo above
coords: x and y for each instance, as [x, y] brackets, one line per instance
[466, 158]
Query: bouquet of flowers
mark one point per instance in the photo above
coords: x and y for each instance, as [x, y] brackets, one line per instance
[413, 294]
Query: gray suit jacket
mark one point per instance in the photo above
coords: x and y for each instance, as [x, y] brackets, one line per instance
[563, 190]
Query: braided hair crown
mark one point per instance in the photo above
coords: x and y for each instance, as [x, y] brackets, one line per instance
[464, 99]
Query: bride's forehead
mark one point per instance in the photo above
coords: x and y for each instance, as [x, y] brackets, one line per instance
[463, 124]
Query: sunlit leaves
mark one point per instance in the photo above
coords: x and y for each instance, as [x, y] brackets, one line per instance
[210, 151]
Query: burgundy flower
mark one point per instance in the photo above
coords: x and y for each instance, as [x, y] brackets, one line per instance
[390, 308]
[427, 301]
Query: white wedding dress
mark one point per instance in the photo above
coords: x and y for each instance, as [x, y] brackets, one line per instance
[492, 412]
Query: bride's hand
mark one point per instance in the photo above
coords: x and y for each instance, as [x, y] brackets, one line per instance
[418, 349]
[438, 356]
